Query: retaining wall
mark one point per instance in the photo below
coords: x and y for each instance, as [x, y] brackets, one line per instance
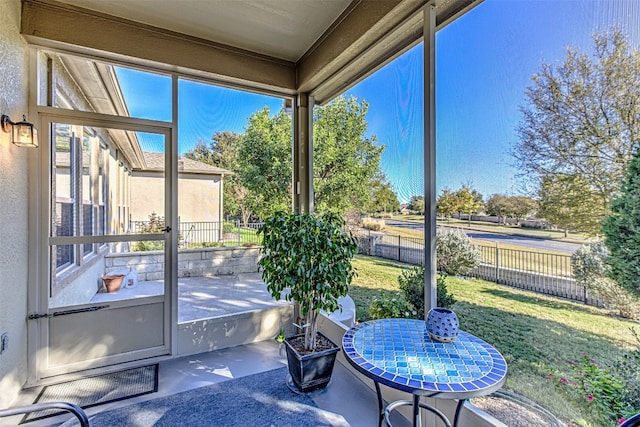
[191, 262]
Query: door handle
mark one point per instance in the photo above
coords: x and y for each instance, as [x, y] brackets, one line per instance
[167, 229]
[35, 316]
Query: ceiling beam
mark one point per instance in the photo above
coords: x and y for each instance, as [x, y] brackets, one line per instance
[368, 36]
[361, 25]
[52, 24]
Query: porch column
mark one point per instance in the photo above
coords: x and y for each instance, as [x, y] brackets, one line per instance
[303, 154]
[430, 267]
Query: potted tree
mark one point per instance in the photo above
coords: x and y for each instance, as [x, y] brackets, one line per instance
[307, 259]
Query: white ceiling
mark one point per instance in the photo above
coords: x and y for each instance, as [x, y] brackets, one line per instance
[283, 29]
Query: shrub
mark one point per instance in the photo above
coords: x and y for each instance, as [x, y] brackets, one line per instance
[590, 269]
[411, 283]
[203, 245]
[384, 307]
[598, 386]
[455, 253]
[373, 224]
[144, 246]
[228, 227]
[155, 225]
[445, 299]
[614, 391]
[627, 369]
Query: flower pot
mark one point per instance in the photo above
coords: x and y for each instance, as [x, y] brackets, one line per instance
[442, 324]
[112, 283]
[311, 371]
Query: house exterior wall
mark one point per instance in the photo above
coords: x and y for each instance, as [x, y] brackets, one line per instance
[14, 175]
[198, 197]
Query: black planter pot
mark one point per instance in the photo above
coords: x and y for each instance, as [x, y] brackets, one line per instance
[311, 371]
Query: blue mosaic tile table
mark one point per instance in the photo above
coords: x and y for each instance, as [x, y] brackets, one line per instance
[400, 354]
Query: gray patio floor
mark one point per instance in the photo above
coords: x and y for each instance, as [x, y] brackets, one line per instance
[205, 297]
[347, 400]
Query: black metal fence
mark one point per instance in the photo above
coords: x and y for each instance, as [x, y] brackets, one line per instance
[208, 233]
[545, 273]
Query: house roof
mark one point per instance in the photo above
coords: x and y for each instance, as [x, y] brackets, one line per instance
[155, 162]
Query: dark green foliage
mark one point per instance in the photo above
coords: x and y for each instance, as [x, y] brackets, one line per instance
[622, 230]
[391, 306]
[627, 369]
[445, 299]
[311, 257]
[613, 390]
[411, 283]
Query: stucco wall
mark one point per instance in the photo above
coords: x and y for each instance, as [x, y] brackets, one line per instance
[198, 196]
[14, 173]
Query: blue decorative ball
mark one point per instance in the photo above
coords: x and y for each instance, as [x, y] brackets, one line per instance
[442, 324]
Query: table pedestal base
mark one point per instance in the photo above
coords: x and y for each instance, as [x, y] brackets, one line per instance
[385, 412]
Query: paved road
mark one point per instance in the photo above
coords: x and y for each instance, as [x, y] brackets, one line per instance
[529, 242]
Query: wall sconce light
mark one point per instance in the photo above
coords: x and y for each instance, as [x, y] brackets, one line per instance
[23, 133]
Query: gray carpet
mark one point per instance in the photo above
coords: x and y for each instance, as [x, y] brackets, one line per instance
[98, 390]
[260, 400]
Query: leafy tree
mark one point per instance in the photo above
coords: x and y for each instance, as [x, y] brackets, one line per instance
[521, 207]
[469, 200]
[382, 198]
[416, 203]
[265, 162]
[202, 153]
[580, 127]
[622, 231]
[504, 207]
[499, 205]
[447, 203]
[346, 164]
[561, 200]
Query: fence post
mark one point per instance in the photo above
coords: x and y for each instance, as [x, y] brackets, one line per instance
[399, 246]
[586, 295]
[497, 263]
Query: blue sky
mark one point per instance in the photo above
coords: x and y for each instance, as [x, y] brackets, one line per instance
[484, 61]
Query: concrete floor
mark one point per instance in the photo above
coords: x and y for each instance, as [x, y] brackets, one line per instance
[350, 401]
[205, 297]
[215, 296]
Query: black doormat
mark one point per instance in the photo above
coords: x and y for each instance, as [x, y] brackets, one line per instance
[97, 390]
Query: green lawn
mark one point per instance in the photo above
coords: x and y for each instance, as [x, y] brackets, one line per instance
[535, 333]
